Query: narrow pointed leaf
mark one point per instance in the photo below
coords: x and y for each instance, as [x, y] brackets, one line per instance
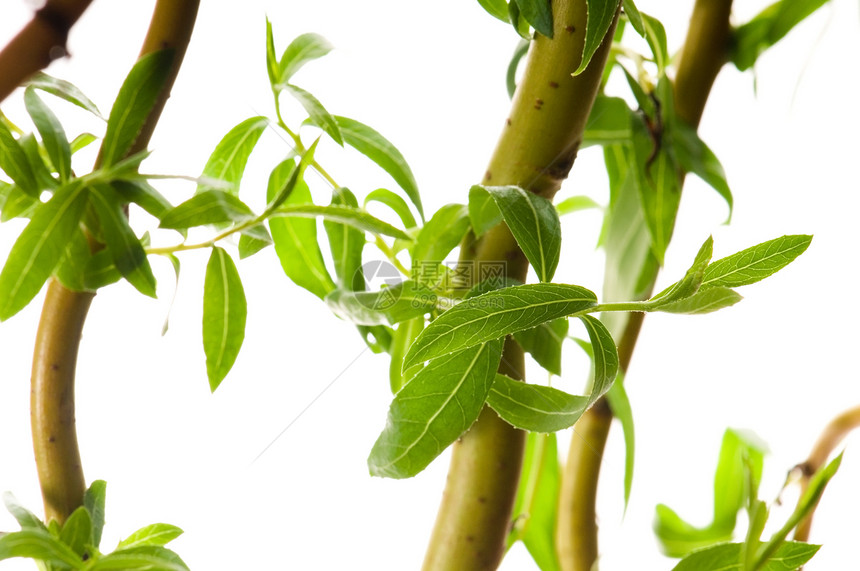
[601, 14]
[404, 335]
[272, 66]
[227, 162]
[318, 114]
[538, 13]
[77, 531]
[621, 409]
[14, 162]
[354, 217]
[496, 8]
[305, 48]
[692, 280]
[441, 234]
[94, 501]
[64, 90]
[52, 133]
[695, 157]
[209, 207]
[433, 410]
[496, 314]
[380, 150]
[511, 76]
[704, 301]
[248, 246]
[756, 263]
[155, 534]
[125, 248]
[40, 545]
[655, 35]
[137, 95]
[40, 247]
[81, 141]
[575, 204]
[143, 194]
[401, 302]
[634, 16]
[25, 518]
[143, 558]
[347, 244]
[534, 222]
[727, 557]
[395, 203]
[224, 313]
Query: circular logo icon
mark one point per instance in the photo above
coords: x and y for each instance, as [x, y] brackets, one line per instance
[381, 279]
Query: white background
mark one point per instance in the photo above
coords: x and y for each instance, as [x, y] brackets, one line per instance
[430, 77]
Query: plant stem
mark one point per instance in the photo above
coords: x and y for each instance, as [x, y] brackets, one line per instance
[55, 446]
[704, 53]
[40, 42]
[535, 151]
[836, 430]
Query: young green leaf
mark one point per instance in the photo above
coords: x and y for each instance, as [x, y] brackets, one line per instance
[511, 76]
[154, 534]
[496, 314]
[39, 167]
[726, 557]
[295, 238]
[14, 162]
[537, 501]
[544, 343]
[142, 558]
[394, 202]
[621, 409]
[64, 90]
[655, 35]
[40, 545]
[40, 247]
[496, 8]
[347, 244]
[575, 204]
[378, 338]
[249, 246]
[634, 16]
[516, 19]
[433, 410]
[534, 223]
[125, 249]
[608, 123]
[26, 519]
[136, 97]
[441, 234]
[227, 162]
[81, 141]
[208, 207]
[144, 195]
[94, 501]
[390, 305]
[754, 264]
[318, 114]
[272, 66]
[704, 301]
[692, 280]
[538, 13]
[224, 313]
[404, 335]
[484, 213]
[601, 14]
[348, 215]
[305, 48]
[52, 133]
[77, 531]
[695, 157]
[380, 150]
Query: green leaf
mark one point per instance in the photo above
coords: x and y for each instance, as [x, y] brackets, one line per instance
[26, 519]
[537, 501]
[739, 467]
[144, 195]
[534, 223]
[754, 264]
[538, 13]
[305, 48]
[40, 247]
[496, 8]
[64, 90]
[249, 246]
[692, 280]
[441, 234]
[347, 244]
[154, 534]
[705, 301]
[544, 343]
[40, 545]
[404, 335]
[518, 21]
[621, 409]
[94, 501]
[272, 66]
[348, 215]
[575, 204]
[768, 27]
[295, 237]
[387, 306]
[14, 162]
[433, 410]
[727, 557]
[125, 249]
[227, 162]
[511, 76]
[77, 531]
[52, 133]
[601, 14]
[380, 150]
[495, 314]
[483, 211]
[224, 313]
[395, 203]
[129, 113]
[208, 207]
[143, 558]
[655, 35]
[608, 123]
[634, 16]
[81, 141]
[378, 338]
[695, 157]
[318, 114]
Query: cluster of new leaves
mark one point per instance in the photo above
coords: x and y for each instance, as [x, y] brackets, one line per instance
[75, 544]
[736, 484]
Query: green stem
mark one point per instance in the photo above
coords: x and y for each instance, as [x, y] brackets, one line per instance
[704, 53]
[64, 312]
[536, 150]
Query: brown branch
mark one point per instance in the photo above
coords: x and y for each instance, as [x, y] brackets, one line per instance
[836, 430]
[704, 53]
[40, 42]
[55, 444]
[535, 151]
